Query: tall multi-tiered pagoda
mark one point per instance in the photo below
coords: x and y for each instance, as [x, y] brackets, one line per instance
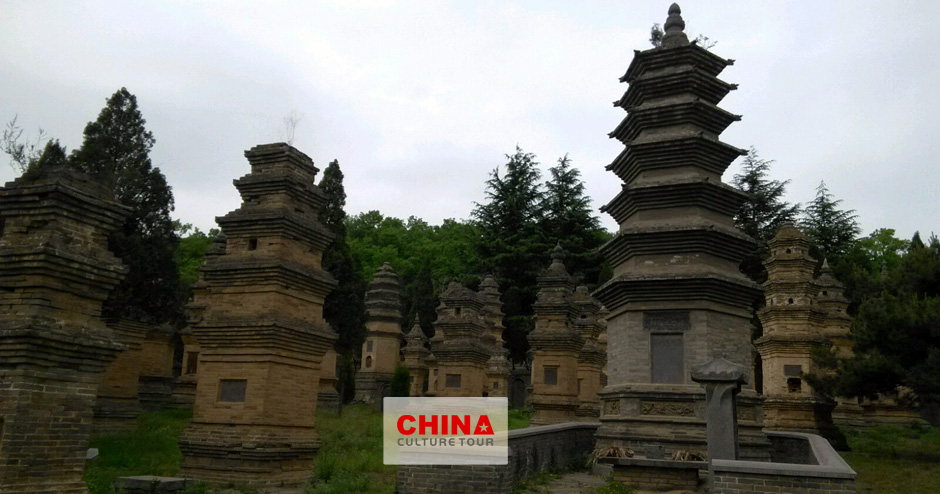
[677, 298]
[461, 344]
[261, 332]
[498, 367]
[381, 349]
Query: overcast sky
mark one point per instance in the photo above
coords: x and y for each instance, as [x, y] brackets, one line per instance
[419, 101]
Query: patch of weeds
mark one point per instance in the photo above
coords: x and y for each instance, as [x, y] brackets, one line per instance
[614, 487]
[519, 419]
[149, 449]
[534, 483]
[350, 459]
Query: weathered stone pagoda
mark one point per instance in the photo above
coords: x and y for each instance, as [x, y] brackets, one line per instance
[328, 397]
[118, 406]
[415, 355]
[381, 350]
[792, 323]
[498, 367]
[590, 323]
[556, 346]
[460, 345]
[261, 335]
[836, 326]
[55, 272]
[677, 298]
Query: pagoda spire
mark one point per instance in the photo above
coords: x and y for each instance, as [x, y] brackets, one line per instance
[674, 27]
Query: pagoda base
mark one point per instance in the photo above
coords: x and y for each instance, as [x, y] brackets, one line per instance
[589, 412]
[549, 409]
[803, 414]
[116, 413]
[372, 387]
[328, 400]
[274, 458]
[184, 390]
[638, 416]
[848, 415]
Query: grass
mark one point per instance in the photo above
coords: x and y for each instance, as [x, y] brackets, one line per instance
[350, 460]
[614, 487]
[896, 460]
[519, 419]
[535, 483]
[150, 449]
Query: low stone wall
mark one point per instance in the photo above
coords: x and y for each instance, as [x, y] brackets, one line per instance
[821, 471]
[531, 450]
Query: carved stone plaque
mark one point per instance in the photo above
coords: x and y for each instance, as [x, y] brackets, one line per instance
[612, 408]
[668, 408]
[666, 322]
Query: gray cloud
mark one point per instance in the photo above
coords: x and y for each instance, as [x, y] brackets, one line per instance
[419, 101]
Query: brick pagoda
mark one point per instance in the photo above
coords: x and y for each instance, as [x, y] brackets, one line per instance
[55, 272]
[261, 335]
[590, 323]
[498, 367]
[461, 344]
[677, 298]
[381, 350]
[415, 355]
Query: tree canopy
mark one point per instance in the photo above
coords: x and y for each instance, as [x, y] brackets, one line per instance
[116, 150]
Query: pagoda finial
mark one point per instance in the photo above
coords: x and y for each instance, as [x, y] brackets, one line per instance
[825, 266]
[674, 26]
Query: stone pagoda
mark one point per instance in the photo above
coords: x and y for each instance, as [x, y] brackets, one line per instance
[415, 354]
[677, 298]
[381, 350]
[261, 332]
[556, 346]
[498, 368]
[328, 398]
[55, 272]
[590, 323]
[837, 324]
[118, 406]
[792, 323]
[460, 344]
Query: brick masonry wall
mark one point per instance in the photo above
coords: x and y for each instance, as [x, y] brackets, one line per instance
[749, 483]
[530, 451]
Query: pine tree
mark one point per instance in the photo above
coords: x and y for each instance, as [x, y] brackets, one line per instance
[567, 218]
[512, 245]
[344, 307]
[116, 150]
[764, 210]
[831, 229]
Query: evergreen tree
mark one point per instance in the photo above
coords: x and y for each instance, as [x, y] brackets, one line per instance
[567, 218]
[116, 150]
[832, 230]
[511, 243]
[764, 210]
[400, 386]
[344, 307]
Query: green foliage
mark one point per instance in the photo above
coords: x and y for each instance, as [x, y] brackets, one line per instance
[896, 460]
[832, 230]
[519, 419]
[191, 251]
[350, 460]
[149, 449]
[656, 35]
[613, 486]
[533, 484]
[400, 386]
[763, 212]
[116, 151]
[22, 153]
[344, 307]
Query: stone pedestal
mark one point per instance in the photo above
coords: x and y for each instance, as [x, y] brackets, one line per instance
[677, 296]
[722, 381]
[556, 347]
[55, 272]
[261, 335]
[381, 350]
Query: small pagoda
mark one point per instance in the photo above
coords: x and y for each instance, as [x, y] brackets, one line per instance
[556, 346]
[415, 354]
[590, 323]
[498, 367]
[677, 298]
[461, 345]
[381, 349]
[261, 332]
